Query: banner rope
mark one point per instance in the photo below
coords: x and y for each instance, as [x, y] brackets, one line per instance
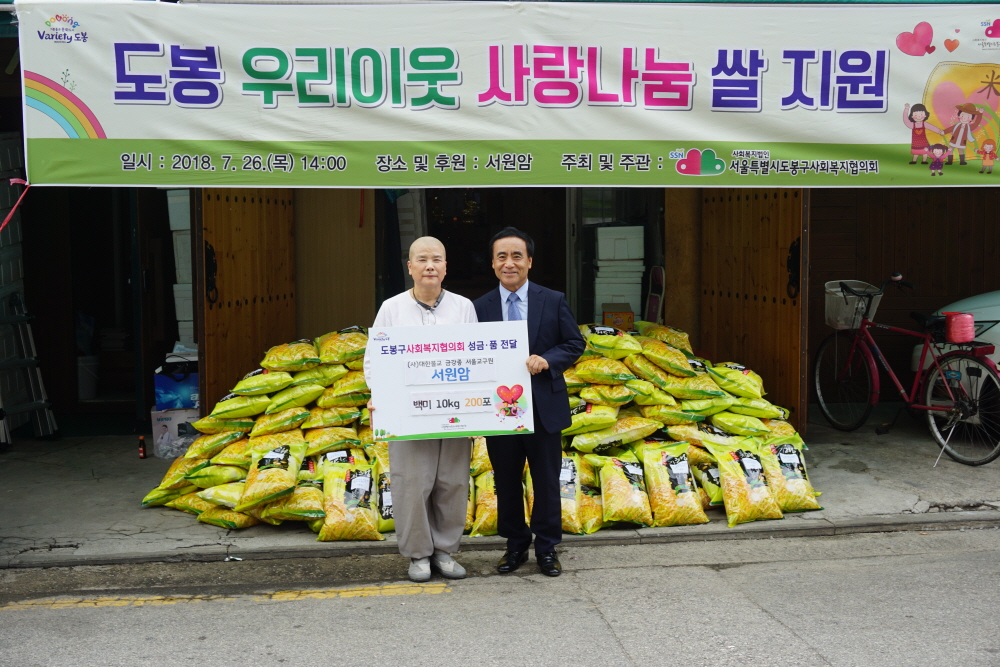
[27, 186]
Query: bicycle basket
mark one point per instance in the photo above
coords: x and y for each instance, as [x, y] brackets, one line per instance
[844, 311]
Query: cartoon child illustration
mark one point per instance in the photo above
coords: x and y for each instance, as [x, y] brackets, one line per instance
[915, 118]
[989, 153]
[937, 152]
[969, 118]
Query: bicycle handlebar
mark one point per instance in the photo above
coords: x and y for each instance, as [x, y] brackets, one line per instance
[895, 278]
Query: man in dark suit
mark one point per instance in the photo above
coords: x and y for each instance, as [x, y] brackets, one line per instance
[554, 344]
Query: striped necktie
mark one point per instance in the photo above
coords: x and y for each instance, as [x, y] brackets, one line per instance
[513, 312]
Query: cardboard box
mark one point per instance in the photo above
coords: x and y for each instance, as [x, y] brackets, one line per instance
[172, 419]
[618, 315]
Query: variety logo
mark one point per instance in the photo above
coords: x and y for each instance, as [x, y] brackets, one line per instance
[62, 29]
[381, 336]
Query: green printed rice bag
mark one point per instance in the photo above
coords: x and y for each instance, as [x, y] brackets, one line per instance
[300, 355]
[702, 434]
[235, 454]
[356, 399]
[383, 489]
[343, 346]
[486, 507]
[294, 397]
[755, 407]
[265, 443]
[305, 503]
[349, 455]
[624, 430]
[706, 470]
[322, 440]
[587, 418]
[347, 501]
[355, 364]
[609, 342]
[261, 381]
[213, 425]
[208, 446]
[737, 379]
[707, 406]
[573, 382]
[273, 474]
[352, 383]
[693, 388]
[669, 335]
[227, 518]
[673, 493]
[181, 466]
[579, 514]
[336, 416]
[669, 415]
[160, 496]
[779, 427]
[233, 405]
[648, 393]
[667, 357]
[607, 394]
[226, 495]
[623, 491]
[739, 424]
[190, 503]
[785, 468]
[366, 417]
[316, 524]
[648, 371]
[323, 375]
[279, 422]
[745, 492]
[470, 507]
[603, 371]
[310, 470]
[480, 462]
[210, 476]
[575, 402]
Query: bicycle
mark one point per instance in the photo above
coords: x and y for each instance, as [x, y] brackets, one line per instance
[960, 388]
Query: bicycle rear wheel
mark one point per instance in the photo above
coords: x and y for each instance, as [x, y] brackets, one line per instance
[843, 378]
[970, 430]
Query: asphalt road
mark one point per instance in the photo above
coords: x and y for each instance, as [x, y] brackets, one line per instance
[870, 599]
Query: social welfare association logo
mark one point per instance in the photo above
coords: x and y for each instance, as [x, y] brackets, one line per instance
[62, 29]
[381, 337]
[454, 420]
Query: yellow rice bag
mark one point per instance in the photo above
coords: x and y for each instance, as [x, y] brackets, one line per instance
[310, 470]
[322, 440]
[707, 406]
[273, 474]
[609, 342]
[294, 397]
[347, 501]
[234, 405]
[262, 381]
[706, 471]
[674, 337]
[647, 393]
[214, 425]
[226, 518]
[356, 399]
[265, 443]
[667, 357]
[383, 489]
[785, 468]
[300, 355]
[207, 446]
[486, 506]
[191, 503]
[673, 493]
[739, 424]
[336, 416]
[210, 476]
[324, 375]
[355, 364]
[316, 524]
[342, 346]
[646, 370]
[745, 492]
[612, 395]
[587, 418]
[630, 410]
[235, 454]
[305, 503]
[279, 422]
[226, 495]
[366, 436]
[779, 427]
[365, 418]
[351, 383]
[737, 379]
[160, 496]
[693, 388]
[627, 429]
[578, 516]
[623, 491]
[573, 382]
[480, 462]
[755, 407]
[181, 466]
[470, 507]
[349, 455]
[603, 371]
[669, 415]
[591, 509]
[701, 434]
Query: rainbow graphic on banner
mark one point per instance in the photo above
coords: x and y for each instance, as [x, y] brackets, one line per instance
[62, 106]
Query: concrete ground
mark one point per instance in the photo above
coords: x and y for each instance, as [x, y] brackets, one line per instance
[76, 502]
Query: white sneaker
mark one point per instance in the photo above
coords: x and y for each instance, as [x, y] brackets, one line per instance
[420, 569]
[447, 567]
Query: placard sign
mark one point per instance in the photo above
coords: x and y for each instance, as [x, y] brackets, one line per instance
[446, 382]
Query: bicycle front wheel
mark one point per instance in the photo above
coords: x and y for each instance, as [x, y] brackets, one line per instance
[843, 378]
[970, 429]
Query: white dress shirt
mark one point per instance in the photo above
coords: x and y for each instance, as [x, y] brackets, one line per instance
[522, 305]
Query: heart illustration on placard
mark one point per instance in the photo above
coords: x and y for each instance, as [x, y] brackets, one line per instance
[918, 42]
[510, 394]
[951, 44]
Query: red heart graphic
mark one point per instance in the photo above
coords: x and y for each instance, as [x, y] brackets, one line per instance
[931, 49]
[515, 393]
[504, 393]
[951, 44]
[918, 42]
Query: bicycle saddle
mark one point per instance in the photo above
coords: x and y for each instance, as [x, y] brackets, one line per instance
[928, 321]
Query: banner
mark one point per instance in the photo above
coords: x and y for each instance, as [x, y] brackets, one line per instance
[446, 382]
[509, 94]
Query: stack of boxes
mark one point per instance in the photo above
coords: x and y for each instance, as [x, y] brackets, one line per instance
[620, 267]
[179, 208]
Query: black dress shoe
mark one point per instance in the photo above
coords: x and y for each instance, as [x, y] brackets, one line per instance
[549, 564]
[511, 560]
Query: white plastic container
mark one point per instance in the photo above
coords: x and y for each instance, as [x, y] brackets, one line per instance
[87, 374]
[184, 302]
[185, 331]
[182, 256]
[620, 243]
[179, 209]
